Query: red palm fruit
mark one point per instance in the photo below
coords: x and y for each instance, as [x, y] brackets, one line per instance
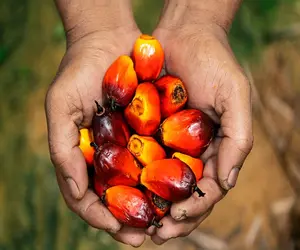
[145, 149]
[130, 206]
[120, 82]
[110, 126]
[189, 131]
[172, 93]
[143, 113]
[170, 179]
[116, 165]
[194, 163]
[159, 205]
[84, 144]
[148, 57]
[99, 185]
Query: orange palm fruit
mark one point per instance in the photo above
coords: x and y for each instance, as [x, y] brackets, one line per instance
[110, 126]
[159, 205]
[85, 140]
[129, 206]
[170, 179]
[145, 149]
[148, 57]
[194, 163]
[143, 113]
[189, 131]
[120, 82]
[99, 185]
[172, 93]
[116, 165]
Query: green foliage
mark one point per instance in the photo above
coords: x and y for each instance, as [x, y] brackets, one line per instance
[254, 24]
[59, 33]
[147, 13]
[13, 16]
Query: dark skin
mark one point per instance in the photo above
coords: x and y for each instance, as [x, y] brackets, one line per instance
[206, 65]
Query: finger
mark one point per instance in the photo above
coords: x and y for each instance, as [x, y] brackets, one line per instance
[236, 122]
[210, 168]
[212, 149]
[151, 230]
[130, 236]
[172, 229]
[195, 205]
[89, 208]
[63, 144]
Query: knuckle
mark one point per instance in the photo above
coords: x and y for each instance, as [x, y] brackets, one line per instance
[84, 208]
[58, 155]
[112, 230]
[245, 145]
[167, 235]
[71, 205]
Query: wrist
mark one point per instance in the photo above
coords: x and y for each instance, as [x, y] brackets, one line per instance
[81, 18]
[199, 12]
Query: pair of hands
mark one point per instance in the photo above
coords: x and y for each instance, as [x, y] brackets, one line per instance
[197, 53]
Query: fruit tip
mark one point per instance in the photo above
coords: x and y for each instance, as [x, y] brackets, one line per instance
[156, 224]
[199, 191]
[100, 109]
[94, 145]
[102, 199]
[113, 105]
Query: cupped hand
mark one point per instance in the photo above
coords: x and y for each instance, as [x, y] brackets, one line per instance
[70, 106]
[200, 55]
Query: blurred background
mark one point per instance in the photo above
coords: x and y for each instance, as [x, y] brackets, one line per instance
[262, 212]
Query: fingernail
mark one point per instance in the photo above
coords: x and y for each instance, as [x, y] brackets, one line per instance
[232, 178]
[182, 215]
[73, 188]
[180, 218]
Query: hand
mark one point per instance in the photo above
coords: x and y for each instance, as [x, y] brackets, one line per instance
[70, 106]
[200, 55]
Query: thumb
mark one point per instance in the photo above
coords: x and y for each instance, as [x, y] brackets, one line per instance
[63, 137]
[236, 125]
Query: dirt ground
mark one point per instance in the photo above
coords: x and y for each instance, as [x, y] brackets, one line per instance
[242, 220]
